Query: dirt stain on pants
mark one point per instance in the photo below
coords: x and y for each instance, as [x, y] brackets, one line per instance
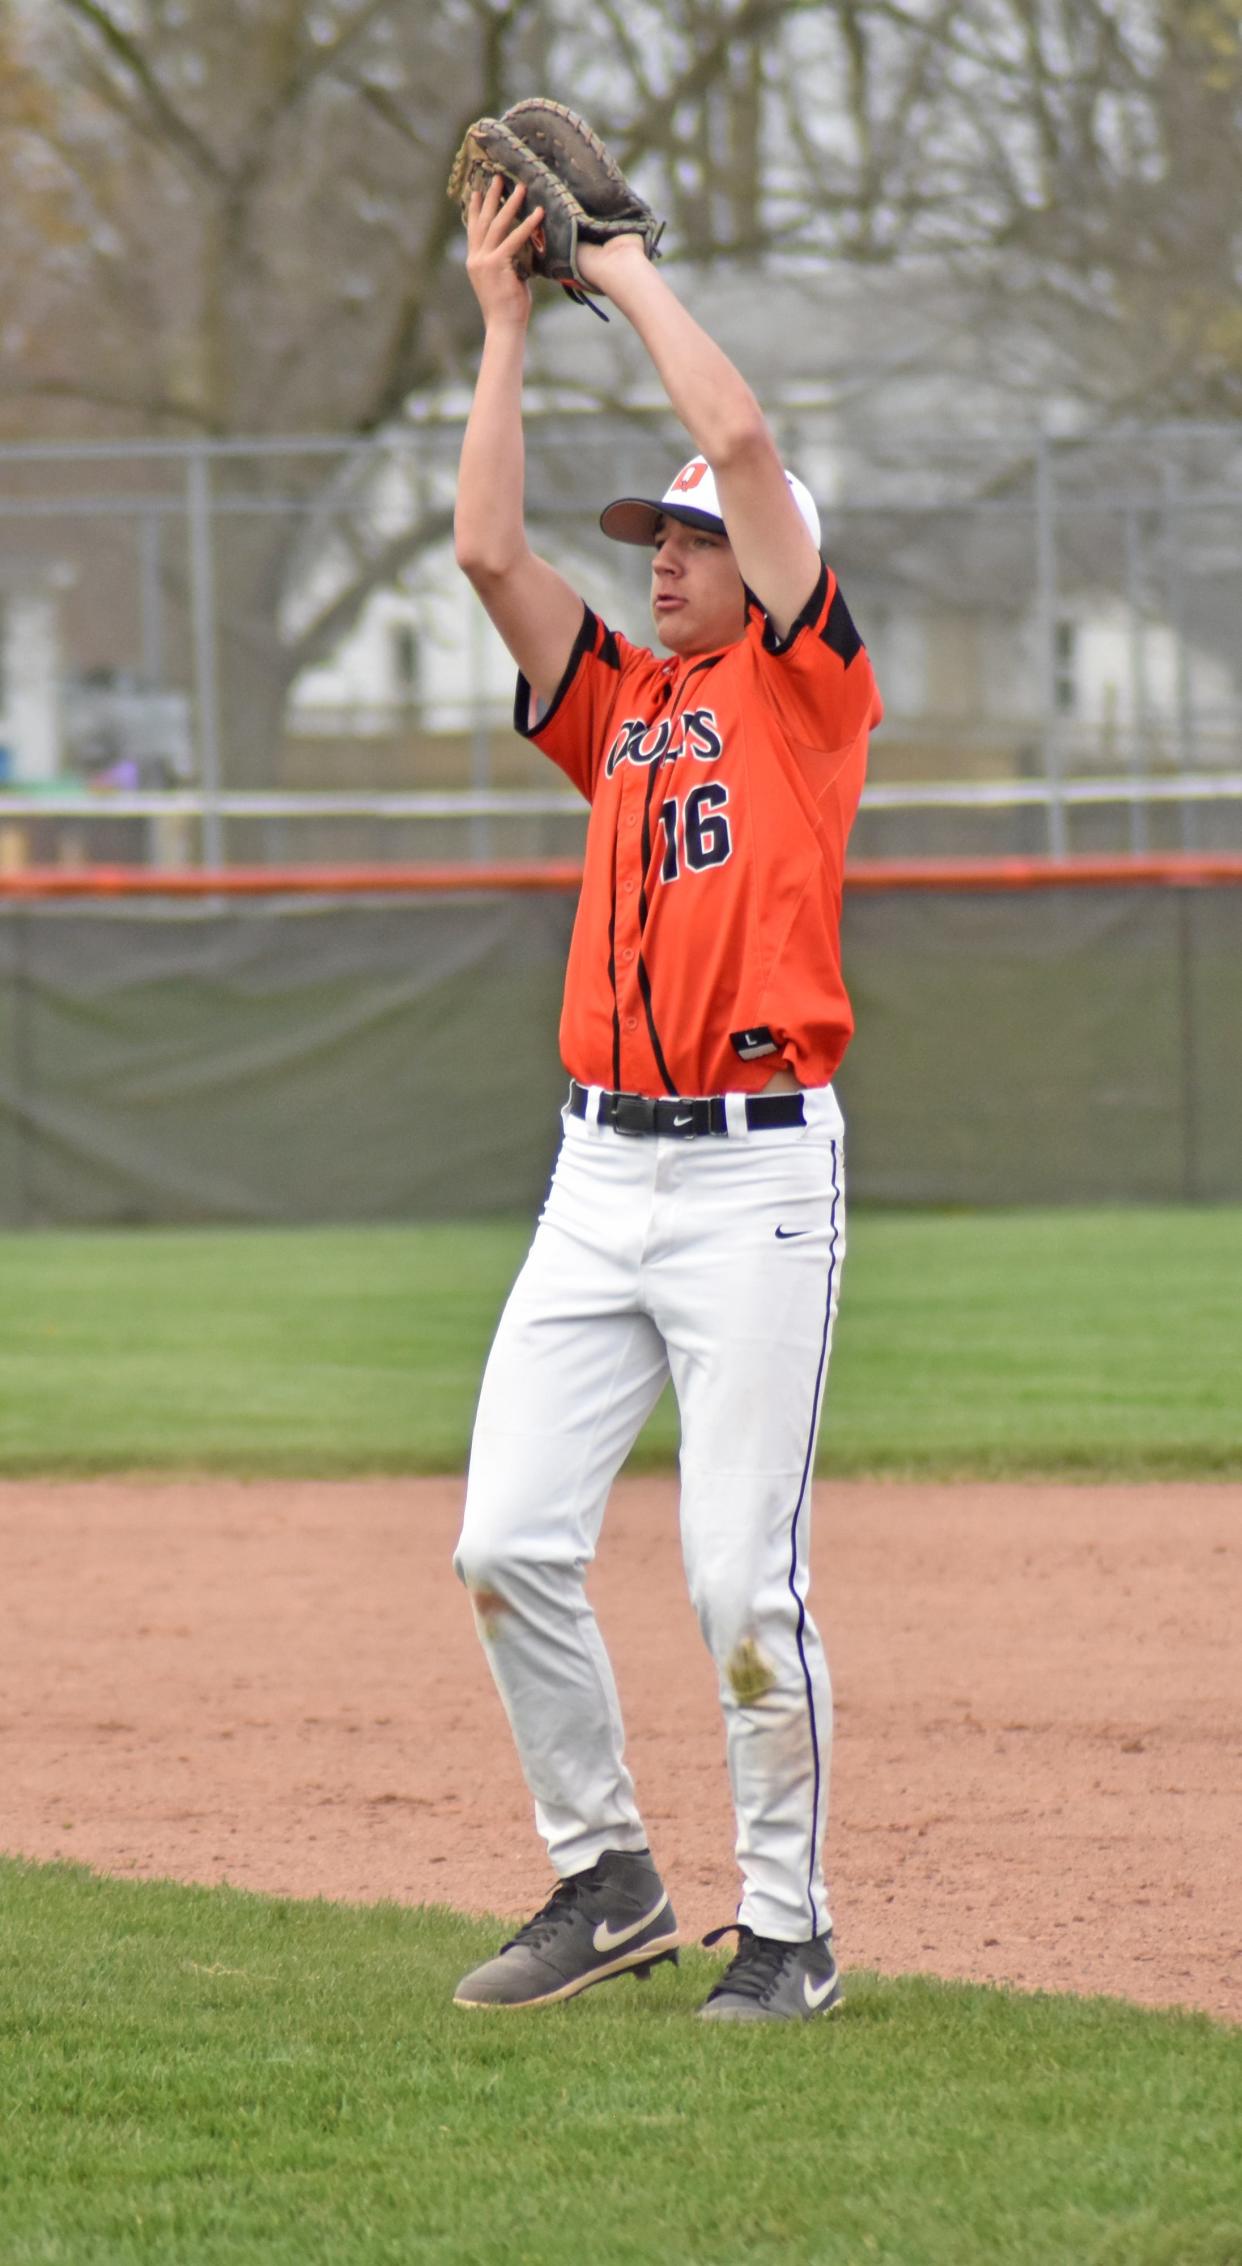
[750, 1676]
[489, 1606]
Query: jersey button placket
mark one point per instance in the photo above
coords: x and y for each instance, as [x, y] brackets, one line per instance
[629, 1001]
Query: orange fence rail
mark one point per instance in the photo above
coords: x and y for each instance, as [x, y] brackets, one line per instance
[1180, 870]
[291, 881]
[1183, 869]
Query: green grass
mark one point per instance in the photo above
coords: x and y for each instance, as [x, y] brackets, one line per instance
[1083, 1342]
[199, 2075]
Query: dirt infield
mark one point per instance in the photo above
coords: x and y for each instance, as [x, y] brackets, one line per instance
[1039, 1713]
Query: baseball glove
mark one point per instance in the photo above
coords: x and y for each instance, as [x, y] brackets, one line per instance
[566, 169]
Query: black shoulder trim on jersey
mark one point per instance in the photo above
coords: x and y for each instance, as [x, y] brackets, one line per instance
[774, 644]
[839, 631]
[609, 650]
[585, 640]
[523, 696]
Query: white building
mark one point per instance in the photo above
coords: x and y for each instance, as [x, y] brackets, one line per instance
[30, 739]
[968, 662]
[990, 631]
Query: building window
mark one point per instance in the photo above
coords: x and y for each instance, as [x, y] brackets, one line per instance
[1065, 667]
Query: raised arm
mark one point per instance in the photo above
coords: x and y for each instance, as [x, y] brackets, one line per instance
[536, 611]
[776, 556]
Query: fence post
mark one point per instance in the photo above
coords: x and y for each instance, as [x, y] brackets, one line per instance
[1184, 916]
[480, 736]
[203, 606]
[150, 601]
[1175, 602]
[1046, 585]
[21, 1026]
[1138, 738]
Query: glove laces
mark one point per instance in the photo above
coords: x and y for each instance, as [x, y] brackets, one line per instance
[583, 299]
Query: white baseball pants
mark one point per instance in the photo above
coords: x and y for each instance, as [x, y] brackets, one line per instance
[716, 1261]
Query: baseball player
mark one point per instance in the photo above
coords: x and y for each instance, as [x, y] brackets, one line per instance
[695, 1223]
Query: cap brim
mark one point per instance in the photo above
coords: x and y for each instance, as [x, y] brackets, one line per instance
[634, 519]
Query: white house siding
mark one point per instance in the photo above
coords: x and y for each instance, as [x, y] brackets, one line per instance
[464, 668]
[29, 722]
[1128, 687]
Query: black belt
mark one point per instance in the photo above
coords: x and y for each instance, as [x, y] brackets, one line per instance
[684, 1119]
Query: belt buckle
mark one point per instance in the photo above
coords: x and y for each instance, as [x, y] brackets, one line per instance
[631, 1113]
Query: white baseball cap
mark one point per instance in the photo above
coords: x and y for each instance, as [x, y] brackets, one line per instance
[690, 497]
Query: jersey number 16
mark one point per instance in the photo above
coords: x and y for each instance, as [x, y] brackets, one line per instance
[702, 839]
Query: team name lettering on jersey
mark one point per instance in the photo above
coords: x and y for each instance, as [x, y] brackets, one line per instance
[695, 732]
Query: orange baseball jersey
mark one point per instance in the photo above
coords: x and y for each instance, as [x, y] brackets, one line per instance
[723, 786]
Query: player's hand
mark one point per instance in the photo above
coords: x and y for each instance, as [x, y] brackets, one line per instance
[605, 266]
[496, 233]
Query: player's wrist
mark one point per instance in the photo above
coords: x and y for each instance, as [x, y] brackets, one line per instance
[505, 324]
[607, 266]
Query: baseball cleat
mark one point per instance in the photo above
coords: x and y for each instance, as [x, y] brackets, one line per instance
[615, 1919]
[767, 1981]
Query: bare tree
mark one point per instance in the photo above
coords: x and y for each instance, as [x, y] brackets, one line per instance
[234, 221]
[1110, 146]
[220, 221]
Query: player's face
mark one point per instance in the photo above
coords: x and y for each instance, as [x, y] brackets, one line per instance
[697, 598]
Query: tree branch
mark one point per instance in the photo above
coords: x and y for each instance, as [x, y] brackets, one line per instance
[49, 385]
[175, 130]
[319, 638]
[312, 66]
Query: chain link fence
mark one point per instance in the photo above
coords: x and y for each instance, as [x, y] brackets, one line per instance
[260, 651]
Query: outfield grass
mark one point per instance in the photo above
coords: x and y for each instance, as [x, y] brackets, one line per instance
[1101, 1342]
[200, 2075]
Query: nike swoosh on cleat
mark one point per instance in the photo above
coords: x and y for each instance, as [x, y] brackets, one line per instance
[787, 1234]
[607, 1938]
[816, 1993]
